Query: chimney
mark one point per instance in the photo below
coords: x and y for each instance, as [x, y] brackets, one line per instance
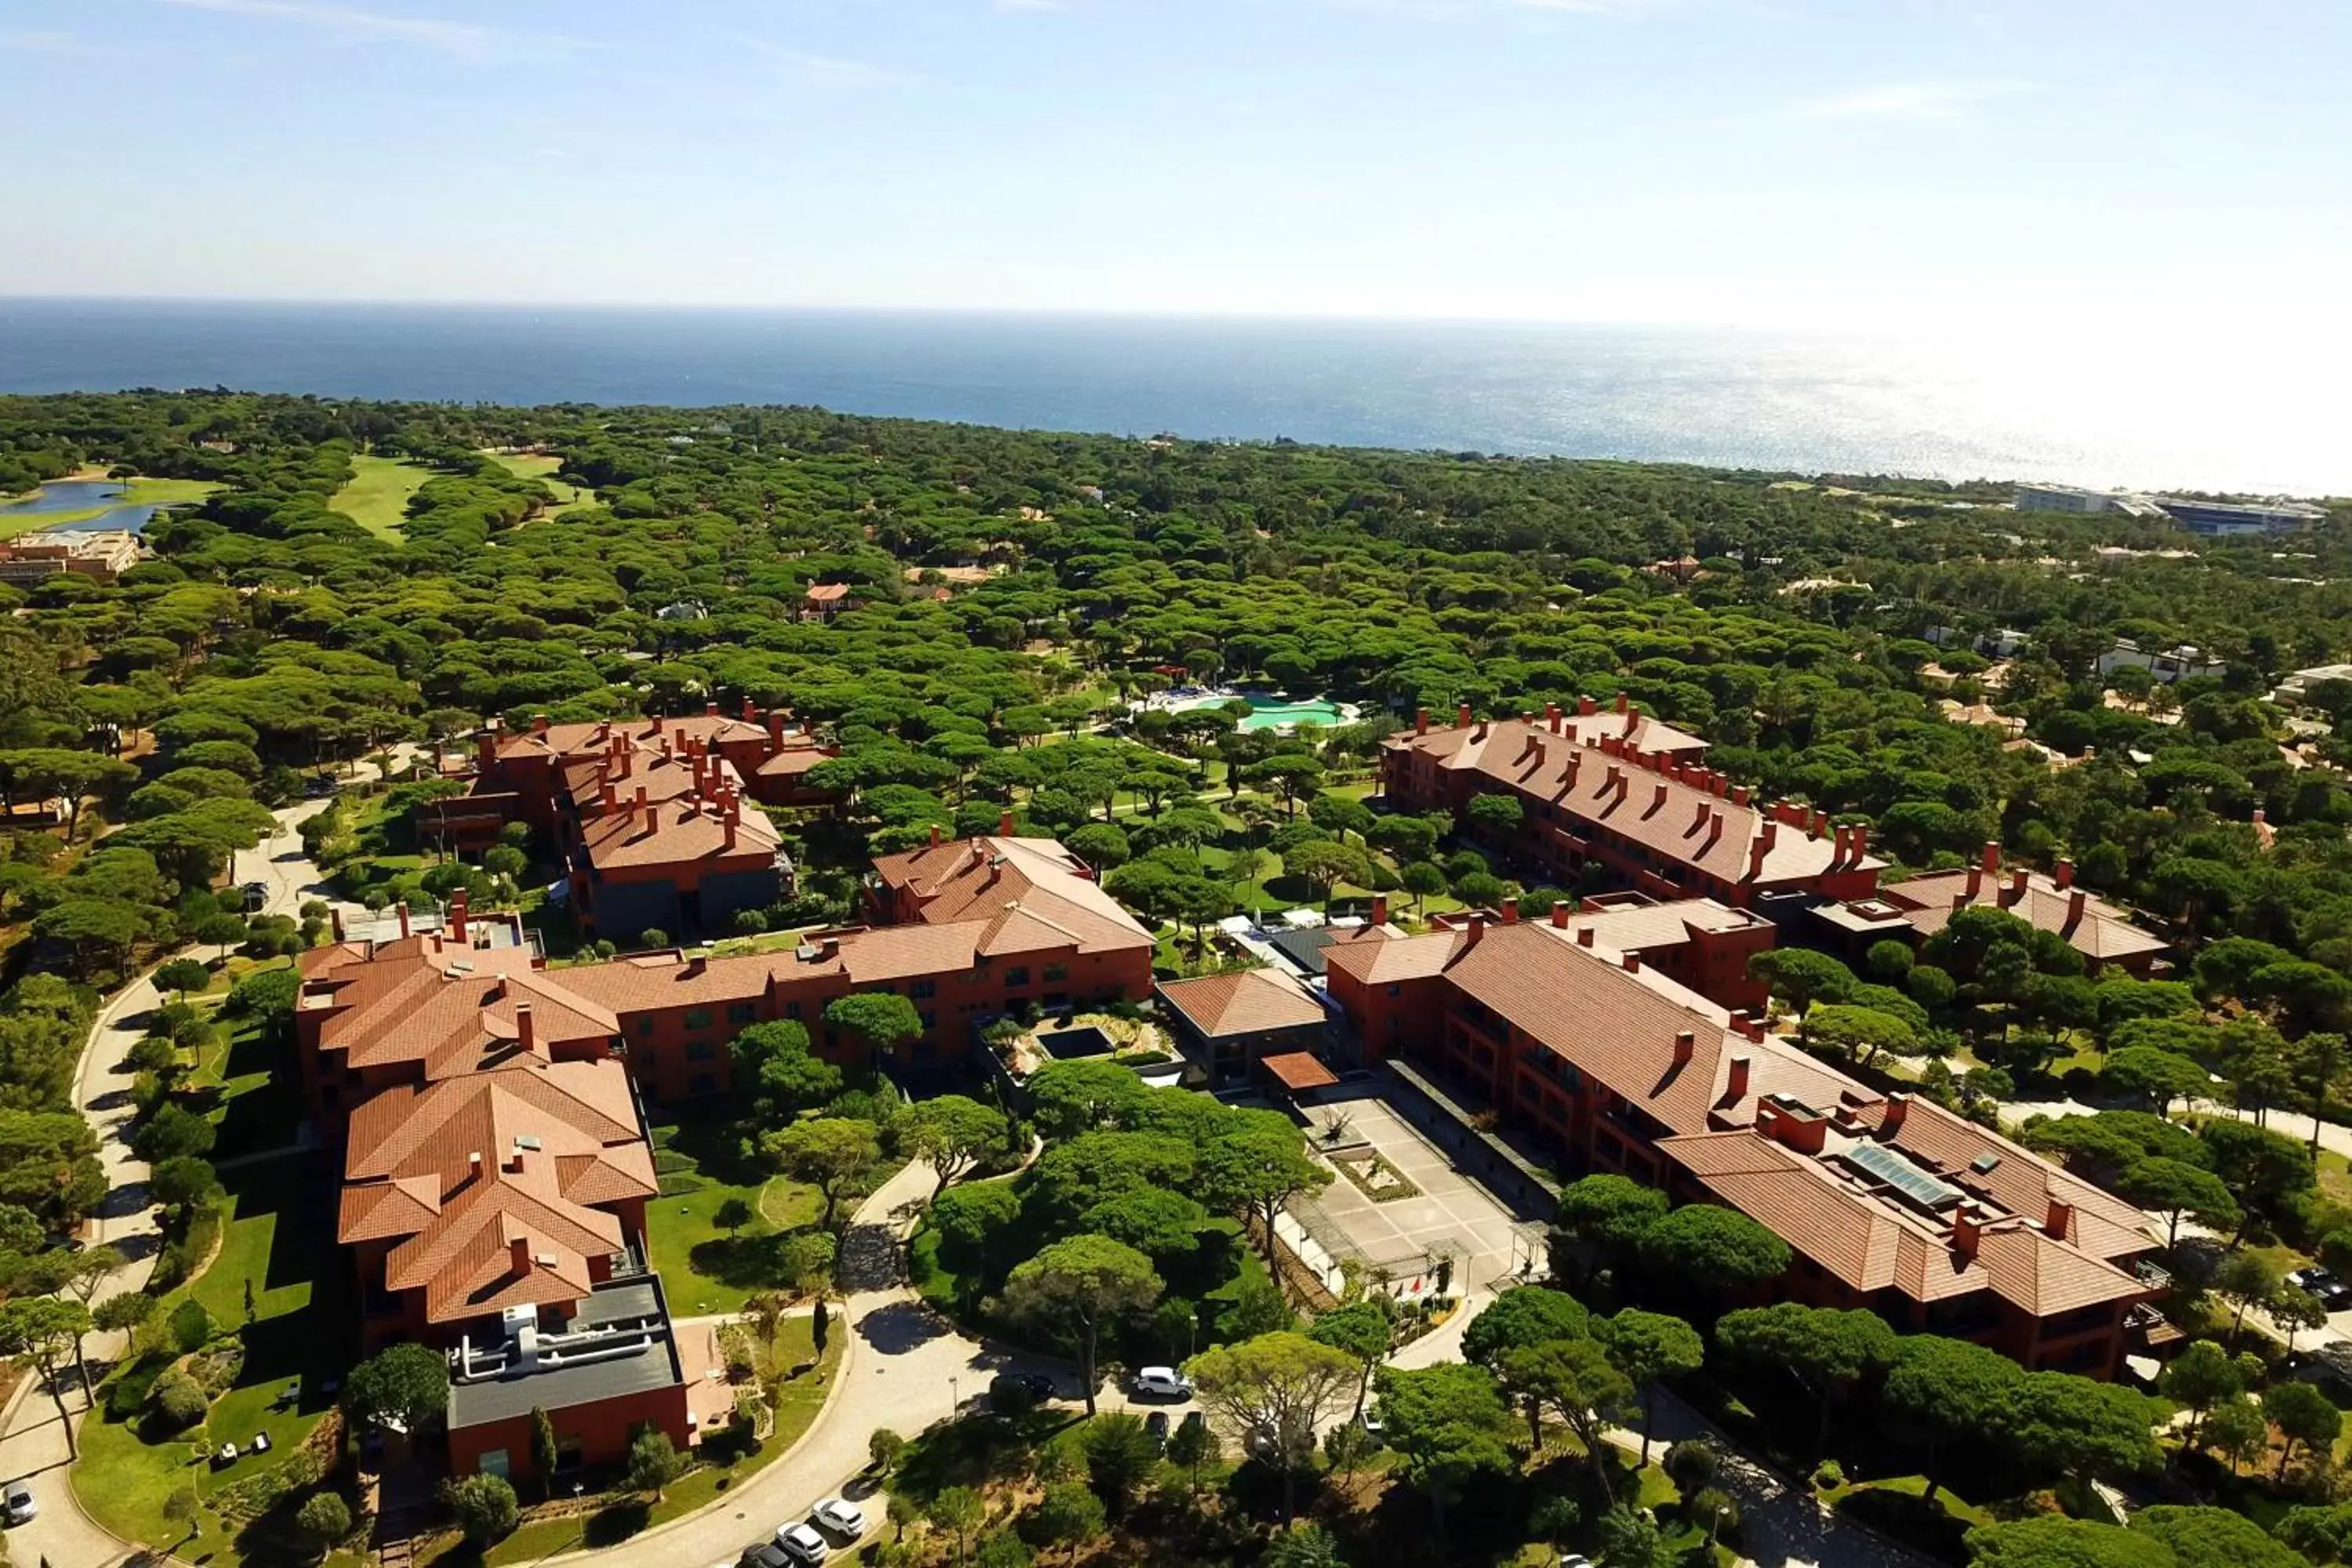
[1551, 717]
[657, 724]
[711, 709]
[485, 750]
[1480, 733]
[1739, 794]
[2076, 901]
[1472, 932]
[609, 797]
[1658, 799]
[2017, 884]
[1560, 915]
[335, 921]
[1632, 964]
[1585, 936]
[1837, 852]
[539, 723]
[623, 760]
[1462, 717]
[1976, 885]
[457, 917]
[526, 1032]
[935, 836]
[1622, 705]
[1685, 1047]
[2061, 1218]
[1820, 819]
[473, 1165]
[1420, 720]
[2065, 876]
[641, 799]
[1989, 862]
[1586, 708]
[732, 826]
[750, 711]
[978, 851]
[776, 731]
[518, 1254]
[1734, 1085]
[1965, 1229]
[1897, 1107]
[1004, 824]
[403, 909]
[1379, 908]
[1510, 911]
[1861, 841]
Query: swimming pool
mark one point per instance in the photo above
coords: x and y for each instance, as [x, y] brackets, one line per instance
[1280, 715]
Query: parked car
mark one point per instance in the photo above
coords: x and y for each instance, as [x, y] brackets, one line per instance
[802, 1544]
[1155, 1426]
[1161, 1382]
[840, 1516]
[1018, 1391]
[19, 1503]
[1370, 1420]
[763, 1555]
[256, 895]
[2333, 1292]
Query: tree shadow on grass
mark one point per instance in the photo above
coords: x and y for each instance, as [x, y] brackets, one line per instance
[616, 1522]
[749, 1262]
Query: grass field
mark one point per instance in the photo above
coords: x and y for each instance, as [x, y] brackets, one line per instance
[703, 1269]
[278, 1241]
[377, 497]
[136, 493]
[537, 466]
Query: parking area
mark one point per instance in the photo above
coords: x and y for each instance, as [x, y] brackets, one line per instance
[1401, 1231]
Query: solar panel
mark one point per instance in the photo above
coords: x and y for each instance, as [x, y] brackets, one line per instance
[1887, 1166]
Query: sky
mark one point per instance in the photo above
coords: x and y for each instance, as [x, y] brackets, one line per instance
[2148, 166]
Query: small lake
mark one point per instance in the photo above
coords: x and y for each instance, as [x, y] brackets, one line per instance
[80, 495]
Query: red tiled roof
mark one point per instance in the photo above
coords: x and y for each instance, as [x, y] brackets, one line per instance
[669, 832]
[985, 878]
[1375, 957]
[828, 592]
[593, 739]
[1244, 1002]
[2019, 1180]
[1298, 1072]
[1653, 807]
[2104, 932]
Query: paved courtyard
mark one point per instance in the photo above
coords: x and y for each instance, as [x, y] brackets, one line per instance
[1451, 1211]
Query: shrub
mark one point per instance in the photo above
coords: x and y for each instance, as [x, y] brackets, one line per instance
[192, 1326]
[177, 1400]
[484, 1506]
[325, 1519]
[1830, 1473]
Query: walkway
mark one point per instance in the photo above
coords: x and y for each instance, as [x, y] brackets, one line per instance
[31, 1442]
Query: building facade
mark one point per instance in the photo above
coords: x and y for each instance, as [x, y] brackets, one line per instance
[1886, 1203]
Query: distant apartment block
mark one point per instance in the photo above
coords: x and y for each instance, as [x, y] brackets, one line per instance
[102, 555]
[2227, 520]
[1630, 796]
[2071, 499]
[2168, 664]
[658, 820]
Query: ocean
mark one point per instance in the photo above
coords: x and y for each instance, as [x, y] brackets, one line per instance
[2245, 416]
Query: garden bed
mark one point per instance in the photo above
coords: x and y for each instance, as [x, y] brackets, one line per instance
[1374, 1176]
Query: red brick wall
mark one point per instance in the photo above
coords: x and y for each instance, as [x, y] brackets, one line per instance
[603, 1430]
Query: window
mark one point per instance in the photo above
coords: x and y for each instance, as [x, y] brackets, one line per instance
[1054, 971]
[702, 1083]
[494, 1462]
[645, 1023]
[922, 988]
[931, 1018]
[739, 1013]
[1396, 990]
[646, 1057]
[1018, 976]
[792, 1009]
[697, 1050]
[697, 1017]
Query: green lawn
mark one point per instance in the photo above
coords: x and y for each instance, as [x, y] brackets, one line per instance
[377, 497]
[797, 1403]
[704, 1270]
[256, 1094]
[279, 1238]
[136, 493]
[535, 465]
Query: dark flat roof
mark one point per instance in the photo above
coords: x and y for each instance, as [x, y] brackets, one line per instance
[654, 1364]
[1304, 948]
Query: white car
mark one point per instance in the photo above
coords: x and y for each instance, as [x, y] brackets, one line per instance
[840, 1516]
[802, 1544]
[1162, 1383]
[18, 1503]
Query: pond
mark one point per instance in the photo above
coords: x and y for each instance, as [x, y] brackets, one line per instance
[1067, 1044]
[77, 495]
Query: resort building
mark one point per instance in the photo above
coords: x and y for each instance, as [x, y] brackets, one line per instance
[2223, 519]
[1237, 1025]
[1593, 1061]
[2101, 931]
[1593, 793]
[655, 819]
[101, 554]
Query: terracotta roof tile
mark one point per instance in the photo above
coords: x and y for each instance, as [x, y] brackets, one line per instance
[982, 878]
[2019, 1181]
[1244, 1002]
[672, 831]
[2104, 932]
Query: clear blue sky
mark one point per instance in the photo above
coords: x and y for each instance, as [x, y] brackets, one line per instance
[2147, 163]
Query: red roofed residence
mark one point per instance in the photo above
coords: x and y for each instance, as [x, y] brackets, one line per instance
[2102, 932]
[1624, 793]
[1937, 1225]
